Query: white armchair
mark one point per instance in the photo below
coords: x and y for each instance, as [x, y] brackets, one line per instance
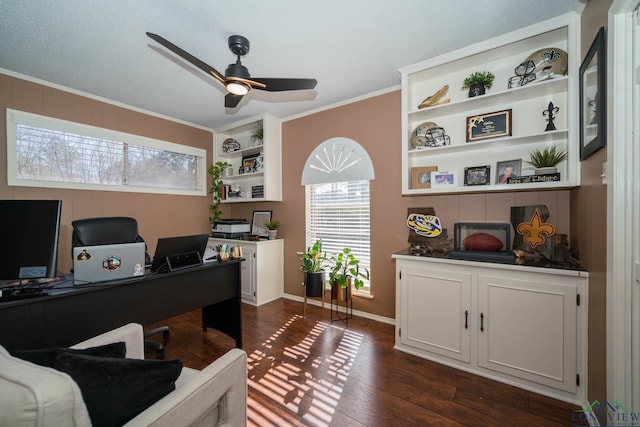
[31, 395]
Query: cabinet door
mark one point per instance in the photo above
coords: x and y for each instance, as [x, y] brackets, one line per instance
[528, 328]
[248, 274]
[435, 311]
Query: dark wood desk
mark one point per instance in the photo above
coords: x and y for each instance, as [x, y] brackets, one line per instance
[69, 316]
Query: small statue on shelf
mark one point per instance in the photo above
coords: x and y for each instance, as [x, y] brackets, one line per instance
[549, 112]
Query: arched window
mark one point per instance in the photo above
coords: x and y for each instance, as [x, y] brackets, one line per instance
[336, 177]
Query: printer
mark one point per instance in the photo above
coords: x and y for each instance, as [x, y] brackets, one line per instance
[230, 228]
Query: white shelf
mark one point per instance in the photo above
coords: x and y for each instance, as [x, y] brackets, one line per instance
[527, 103]
[270, 178]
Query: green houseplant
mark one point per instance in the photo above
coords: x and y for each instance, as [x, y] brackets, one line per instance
[345, 270]
[257, 135]
[546, 159]
[478, 82]
[216, 189]
[312, 263]
[273, 226]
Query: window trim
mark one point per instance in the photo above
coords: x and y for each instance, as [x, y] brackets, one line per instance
[16, 117]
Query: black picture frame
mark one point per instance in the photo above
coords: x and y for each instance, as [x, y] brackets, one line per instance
[593, 97]
[258, 219]
[477, 175]
[249, 163]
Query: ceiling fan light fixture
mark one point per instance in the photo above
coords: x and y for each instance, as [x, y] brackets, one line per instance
[237, 88]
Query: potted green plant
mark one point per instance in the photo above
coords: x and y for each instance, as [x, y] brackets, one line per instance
[478, 82]
[257, 135]
[313, 262]
[345, 271]
[546, 159]
[272, 226]
[216, 189]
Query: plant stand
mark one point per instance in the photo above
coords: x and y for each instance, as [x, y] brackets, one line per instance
[348, 305]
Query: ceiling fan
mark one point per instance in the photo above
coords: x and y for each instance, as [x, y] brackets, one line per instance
[236, 77]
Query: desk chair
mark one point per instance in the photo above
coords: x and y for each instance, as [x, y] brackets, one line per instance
[115, 230]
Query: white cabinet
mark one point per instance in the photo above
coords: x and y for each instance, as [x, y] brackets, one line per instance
[253, 184]
[525, 326]
[527, 102]
[437, 304]
[262, 272]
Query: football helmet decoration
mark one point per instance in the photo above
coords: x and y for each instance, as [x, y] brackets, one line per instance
[541, 65]
[428, 134]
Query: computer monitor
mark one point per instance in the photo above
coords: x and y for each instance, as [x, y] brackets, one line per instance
[171, 246]
[29, 231]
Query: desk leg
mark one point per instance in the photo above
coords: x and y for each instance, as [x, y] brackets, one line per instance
[225, 316]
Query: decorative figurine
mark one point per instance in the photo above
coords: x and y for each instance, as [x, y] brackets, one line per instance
[549, 112]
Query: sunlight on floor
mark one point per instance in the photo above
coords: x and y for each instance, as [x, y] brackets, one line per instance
[294, 378]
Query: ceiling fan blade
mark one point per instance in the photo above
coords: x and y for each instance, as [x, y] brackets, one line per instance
[188, 57]
[276, 84]
[231, 100]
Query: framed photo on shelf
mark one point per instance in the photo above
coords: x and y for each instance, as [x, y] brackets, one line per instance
[489, 125]
[443, 179]
[257, 223]
[249, 163]
[421, 176]
[477, 175]
[593, 97]
[508, 169]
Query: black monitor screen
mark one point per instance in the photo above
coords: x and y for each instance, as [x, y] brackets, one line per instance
[29, 231]
[169, 246]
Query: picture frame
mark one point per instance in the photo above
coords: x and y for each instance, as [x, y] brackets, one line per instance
[249, 163]
[516, 170]
[421, 176]
[489, 125]
[443, 179]
[258, 220]
[593, 97]
[477, 175]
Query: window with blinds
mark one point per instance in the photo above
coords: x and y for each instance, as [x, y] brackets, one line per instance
[47, 152]
[338, 213]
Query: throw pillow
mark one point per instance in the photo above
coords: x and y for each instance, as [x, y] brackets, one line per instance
[47, 356]
[116, 390]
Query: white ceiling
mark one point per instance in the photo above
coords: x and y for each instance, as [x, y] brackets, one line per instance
[352, 47]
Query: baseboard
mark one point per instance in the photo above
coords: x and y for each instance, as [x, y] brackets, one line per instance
[312, 301]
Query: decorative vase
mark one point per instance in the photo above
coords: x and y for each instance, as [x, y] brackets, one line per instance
[272, 234]
[314, 283]
[476, 89]
[546, 170]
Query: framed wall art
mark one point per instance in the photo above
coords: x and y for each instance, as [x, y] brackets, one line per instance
[421, 176]
[258, 220]
[593, 97]
[489, 125]
[477, 175]
[508, 169]
[249, 163]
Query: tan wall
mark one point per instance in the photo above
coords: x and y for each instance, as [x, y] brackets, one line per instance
[375, 124]
[588, 225]
[157, 215]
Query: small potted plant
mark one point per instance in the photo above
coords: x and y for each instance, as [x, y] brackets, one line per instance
[546, 159]
[257, 135]
[313, 262]
[344, 272]
[478, 82]
[216, 189]
[272, 226]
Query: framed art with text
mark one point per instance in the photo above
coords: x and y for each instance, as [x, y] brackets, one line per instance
[489, 125]
[593, 97]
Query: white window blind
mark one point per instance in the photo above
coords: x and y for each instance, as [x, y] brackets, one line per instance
[338, 213]
[47, 152]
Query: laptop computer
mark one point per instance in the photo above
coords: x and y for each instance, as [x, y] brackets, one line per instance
[102, 263]
[180, 247]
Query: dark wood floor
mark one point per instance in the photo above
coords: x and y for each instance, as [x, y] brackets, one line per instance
[308, 371]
